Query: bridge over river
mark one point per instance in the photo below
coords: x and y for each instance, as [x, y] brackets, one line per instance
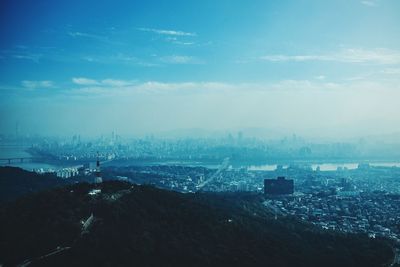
[18, 160]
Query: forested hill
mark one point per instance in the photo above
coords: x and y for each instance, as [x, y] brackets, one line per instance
[144, 226]
[16, 182]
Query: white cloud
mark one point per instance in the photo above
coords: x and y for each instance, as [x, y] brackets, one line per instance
[125, 88]
[83, 34]
[320, 77]
[115, 83]
[278, 58]
[120, 58]
[111, 87]
[21, 52]
[90, 59]
[101, 83]
[395, 71]
[369, 3]
[179, 59]
[184, 43]
[84, 81]
[174, 40]
[37, 84]
[28, 56]
[301, 85]
[154, 86]
[168, 32]
[376, 56]
[99, 38]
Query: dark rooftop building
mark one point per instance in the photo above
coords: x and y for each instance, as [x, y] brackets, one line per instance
[279, 186]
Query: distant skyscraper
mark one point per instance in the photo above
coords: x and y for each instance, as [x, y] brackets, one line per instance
[279, 186]
[98, 178]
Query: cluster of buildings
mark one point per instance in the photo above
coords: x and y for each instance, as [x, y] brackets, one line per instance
[206, 150]
[332, 202]
[63, 173]
[376, 214]
[171, 177]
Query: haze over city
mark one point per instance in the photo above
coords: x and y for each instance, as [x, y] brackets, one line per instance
[315, 68]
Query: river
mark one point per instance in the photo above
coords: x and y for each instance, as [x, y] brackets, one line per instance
[19, 152]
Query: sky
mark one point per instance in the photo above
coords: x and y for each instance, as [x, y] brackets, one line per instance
[310, 67]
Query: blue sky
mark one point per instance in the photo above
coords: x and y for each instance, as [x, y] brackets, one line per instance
[311, 67]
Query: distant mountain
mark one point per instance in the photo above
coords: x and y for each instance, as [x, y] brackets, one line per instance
[130, 225]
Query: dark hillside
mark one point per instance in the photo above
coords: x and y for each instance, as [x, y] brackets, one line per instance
[145, 226]
[16, 182]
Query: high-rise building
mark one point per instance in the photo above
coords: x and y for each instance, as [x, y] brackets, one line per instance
[279, 186]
